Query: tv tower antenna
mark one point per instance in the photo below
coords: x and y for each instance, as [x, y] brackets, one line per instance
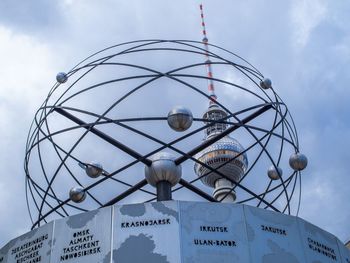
[226, 155]
[211, 88]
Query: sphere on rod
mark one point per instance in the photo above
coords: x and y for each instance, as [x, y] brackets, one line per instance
[77, 194]
[266, 83]
[163, 168]
[61, 77]
[93, 169]
[180, 118]
[298, 161]
[273, 173]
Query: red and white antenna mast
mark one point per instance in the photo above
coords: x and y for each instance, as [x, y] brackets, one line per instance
[214, 112]
[211, 88]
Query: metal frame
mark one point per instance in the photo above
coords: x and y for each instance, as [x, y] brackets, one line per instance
[45, 200]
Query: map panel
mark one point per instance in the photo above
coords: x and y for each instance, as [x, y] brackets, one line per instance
[2, 256]
[344, 252]
[84, 237]
[174, 232]
[213, 232]
[32, 247]
[146, 233]
[319, 245]
[273, 237]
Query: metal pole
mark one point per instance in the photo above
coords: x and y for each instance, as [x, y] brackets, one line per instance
[164, 191]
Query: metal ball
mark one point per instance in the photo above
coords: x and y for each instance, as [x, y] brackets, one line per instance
[163, 168]
[273, 173]
[298, 161]
[180, 118]
[266, 83]
[94, 169]
[77, 194]
[61, 77]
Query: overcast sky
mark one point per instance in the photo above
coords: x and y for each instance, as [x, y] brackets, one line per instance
[302, 45]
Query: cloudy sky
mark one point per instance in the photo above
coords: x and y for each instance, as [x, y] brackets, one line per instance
[303, 45]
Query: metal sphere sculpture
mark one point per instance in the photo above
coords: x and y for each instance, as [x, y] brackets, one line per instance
[61, 77]
[77, 194]
[93, 169]
[118, 107]
[163, 174]
[180, 118]
[163, 168]
[298, 161]
[274, 173]
[265, 83]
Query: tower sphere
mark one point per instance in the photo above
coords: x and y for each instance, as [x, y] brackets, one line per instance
[298, 161]
[266, 83]
[77, 194]
[61, 77]
[93, 169]
[180, 118]
[273, 173]
[163, 168]
[226, 157]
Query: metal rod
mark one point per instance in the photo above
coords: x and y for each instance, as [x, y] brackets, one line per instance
[105, 137]
[126, 193]
[197, 190]
[163, 191]
[221, 135]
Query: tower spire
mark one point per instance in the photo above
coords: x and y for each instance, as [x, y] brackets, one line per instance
[214, 112]
[225, 155]
[211, 88]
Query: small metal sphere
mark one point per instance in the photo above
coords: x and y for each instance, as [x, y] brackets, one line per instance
[273, 173]
[298, 161]
[180, 118]
[61, 77]
[163, 168]
[77, 194]
[266, 83]
[94, 169]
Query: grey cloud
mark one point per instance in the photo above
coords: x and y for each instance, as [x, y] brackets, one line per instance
[30, 16]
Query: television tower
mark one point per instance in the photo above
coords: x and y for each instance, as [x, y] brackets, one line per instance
[226, 155]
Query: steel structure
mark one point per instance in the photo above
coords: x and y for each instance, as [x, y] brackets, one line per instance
[112, 107]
